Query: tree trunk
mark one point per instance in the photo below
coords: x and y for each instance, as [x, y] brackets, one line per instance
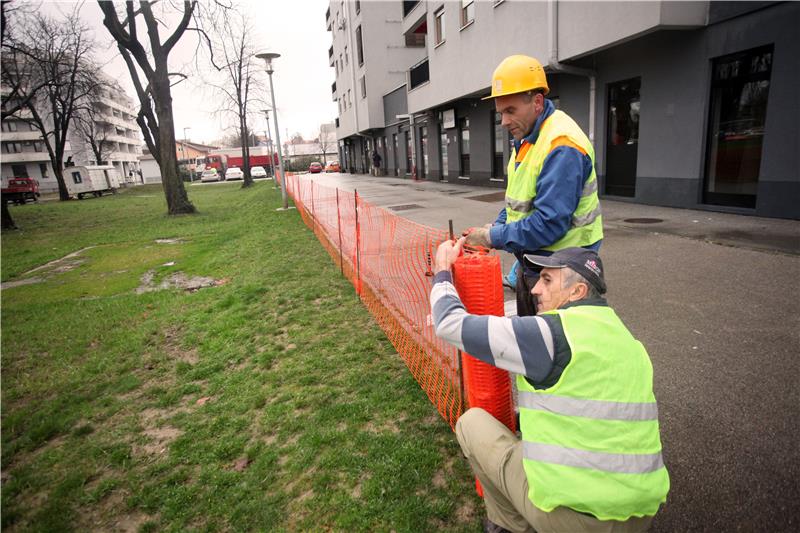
[58, 171]
[8, 222]
[247, 180]
[177, 199]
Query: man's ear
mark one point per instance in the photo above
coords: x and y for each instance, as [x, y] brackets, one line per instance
[538, 102]
[578, 292]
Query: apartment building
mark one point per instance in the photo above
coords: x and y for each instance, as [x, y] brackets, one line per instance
[689, 104]
[113, 122]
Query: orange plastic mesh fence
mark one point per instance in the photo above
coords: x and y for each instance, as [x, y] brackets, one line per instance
[389, 261]
[477, 278]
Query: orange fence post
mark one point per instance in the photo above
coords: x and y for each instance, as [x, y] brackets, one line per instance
[339, 227]
[358, 248]
[313, 211]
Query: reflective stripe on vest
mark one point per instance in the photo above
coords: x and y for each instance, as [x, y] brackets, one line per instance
[591, 442]
[586, 226]
[619, 463]
[597, 409]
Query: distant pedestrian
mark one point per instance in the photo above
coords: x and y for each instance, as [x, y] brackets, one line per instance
[376, 163]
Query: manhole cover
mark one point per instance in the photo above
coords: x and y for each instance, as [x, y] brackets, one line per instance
[404, 207]
[644, 220]
[493, 197]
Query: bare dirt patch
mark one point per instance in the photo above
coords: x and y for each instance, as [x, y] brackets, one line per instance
[173, 348]
[177, 280]
[160, 440]
[170, 241]
[466, 512]
[57, 266]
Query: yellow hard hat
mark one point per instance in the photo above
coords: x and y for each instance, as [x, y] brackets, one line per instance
[518, 74]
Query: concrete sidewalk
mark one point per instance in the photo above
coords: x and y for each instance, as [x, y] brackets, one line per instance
[715, 298]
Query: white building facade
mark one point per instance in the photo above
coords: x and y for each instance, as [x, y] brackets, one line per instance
[688, 104]
[25, 155]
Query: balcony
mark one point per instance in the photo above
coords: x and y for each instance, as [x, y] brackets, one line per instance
[408, 6]
[26, 157]
[21, 135]
[418, 74]
[415, 21]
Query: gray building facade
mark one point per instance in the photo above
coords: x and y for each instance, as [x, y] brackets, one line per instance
[688, 104]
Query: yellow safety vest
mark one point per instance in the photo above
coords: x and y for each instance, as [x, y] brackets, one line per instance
[557, 130]
[591, 442]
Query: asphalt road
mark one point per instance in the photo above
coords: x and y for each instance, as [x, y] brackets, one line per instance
[715, 298]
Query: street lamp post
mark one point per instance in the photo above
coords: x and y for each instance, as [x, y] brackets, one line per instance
[268, 57]
[191, 167]
[269, 144]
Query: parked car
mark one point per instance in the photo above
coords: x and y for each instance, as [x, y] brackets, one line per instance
[234, 173]
[20, 190]
[258, 172]
[315, 168]
[209, 174]
[333, 166]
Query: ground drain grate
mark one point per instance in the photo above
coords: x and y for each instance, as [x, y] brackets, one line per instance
[493, 197]
[643, 220]
[404, 207]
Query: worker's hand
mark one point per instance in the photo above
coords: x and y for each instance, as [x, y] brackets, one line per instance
[478, 236]
[447, 253]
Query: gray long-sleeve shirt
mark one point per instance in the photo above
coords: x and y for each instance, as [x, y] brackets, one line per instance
[534, 346]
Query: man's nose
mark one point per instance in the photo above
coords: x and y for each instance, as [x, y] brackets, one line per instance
[505, 121]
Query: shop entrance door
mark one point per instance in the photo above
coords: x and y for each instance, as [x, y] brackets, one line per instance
[622, 140]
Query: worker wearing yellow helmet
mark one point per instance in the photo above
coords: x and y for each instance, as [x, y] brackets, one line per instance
[551, 195]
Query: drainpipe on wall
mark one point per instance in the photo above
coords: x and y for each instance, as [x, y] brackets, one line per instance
[554, 66]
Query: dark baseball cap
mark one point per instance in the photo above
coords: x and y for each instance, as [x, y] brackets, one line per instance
[585, 262]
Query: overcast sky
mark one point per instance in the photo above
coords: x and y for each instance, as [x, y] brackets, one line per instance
[295, 29]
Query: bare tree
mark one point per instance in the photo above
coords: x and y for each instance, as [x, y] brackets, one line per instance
[50, 66]
[326, 141]
[150, 65]
[229, 41]
[93, 134]
[6, 221]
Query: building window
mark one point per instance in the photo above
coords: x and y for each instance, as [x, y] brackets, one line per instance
[423, 146]
[418, 74]
[349, 99]
[736, 126]
[467, 12]
[363, 86]
[13, 147]
[359, 47]
[396, 154]
[346, 59]
[38, 146]
[498, 168]
[19, 171]
[443, 150]
[9, 125]
[463, 132]
[358, 7]
[76, 177]
[44, 171]
[408, 151]
[438, 26]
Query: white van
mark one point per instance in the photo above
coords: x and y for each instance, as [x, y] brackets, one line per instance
[94, 180]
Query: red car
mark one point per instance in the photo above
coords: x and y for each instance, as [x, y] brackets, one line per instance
[315, 168]
[20, 190]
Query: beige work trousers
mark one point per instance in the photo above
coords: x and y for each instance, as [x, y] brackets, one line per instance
[496, 458]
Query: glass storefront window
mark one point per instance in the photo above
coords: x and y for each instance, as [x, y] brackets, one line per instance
[736, 126]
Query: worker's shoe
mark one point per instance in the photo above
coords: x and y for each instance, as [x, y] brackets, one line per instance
[491, 527]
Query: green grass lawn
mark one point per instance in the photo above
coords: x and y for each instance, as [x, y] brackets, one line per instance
[271, 401]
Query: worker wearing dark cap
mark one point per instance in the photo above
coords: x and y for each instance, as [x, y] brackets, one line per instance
[590, 454]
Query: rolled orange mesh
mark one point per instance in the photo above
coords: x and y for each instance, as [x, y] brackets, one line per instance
[477, 278]
[388, 259]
